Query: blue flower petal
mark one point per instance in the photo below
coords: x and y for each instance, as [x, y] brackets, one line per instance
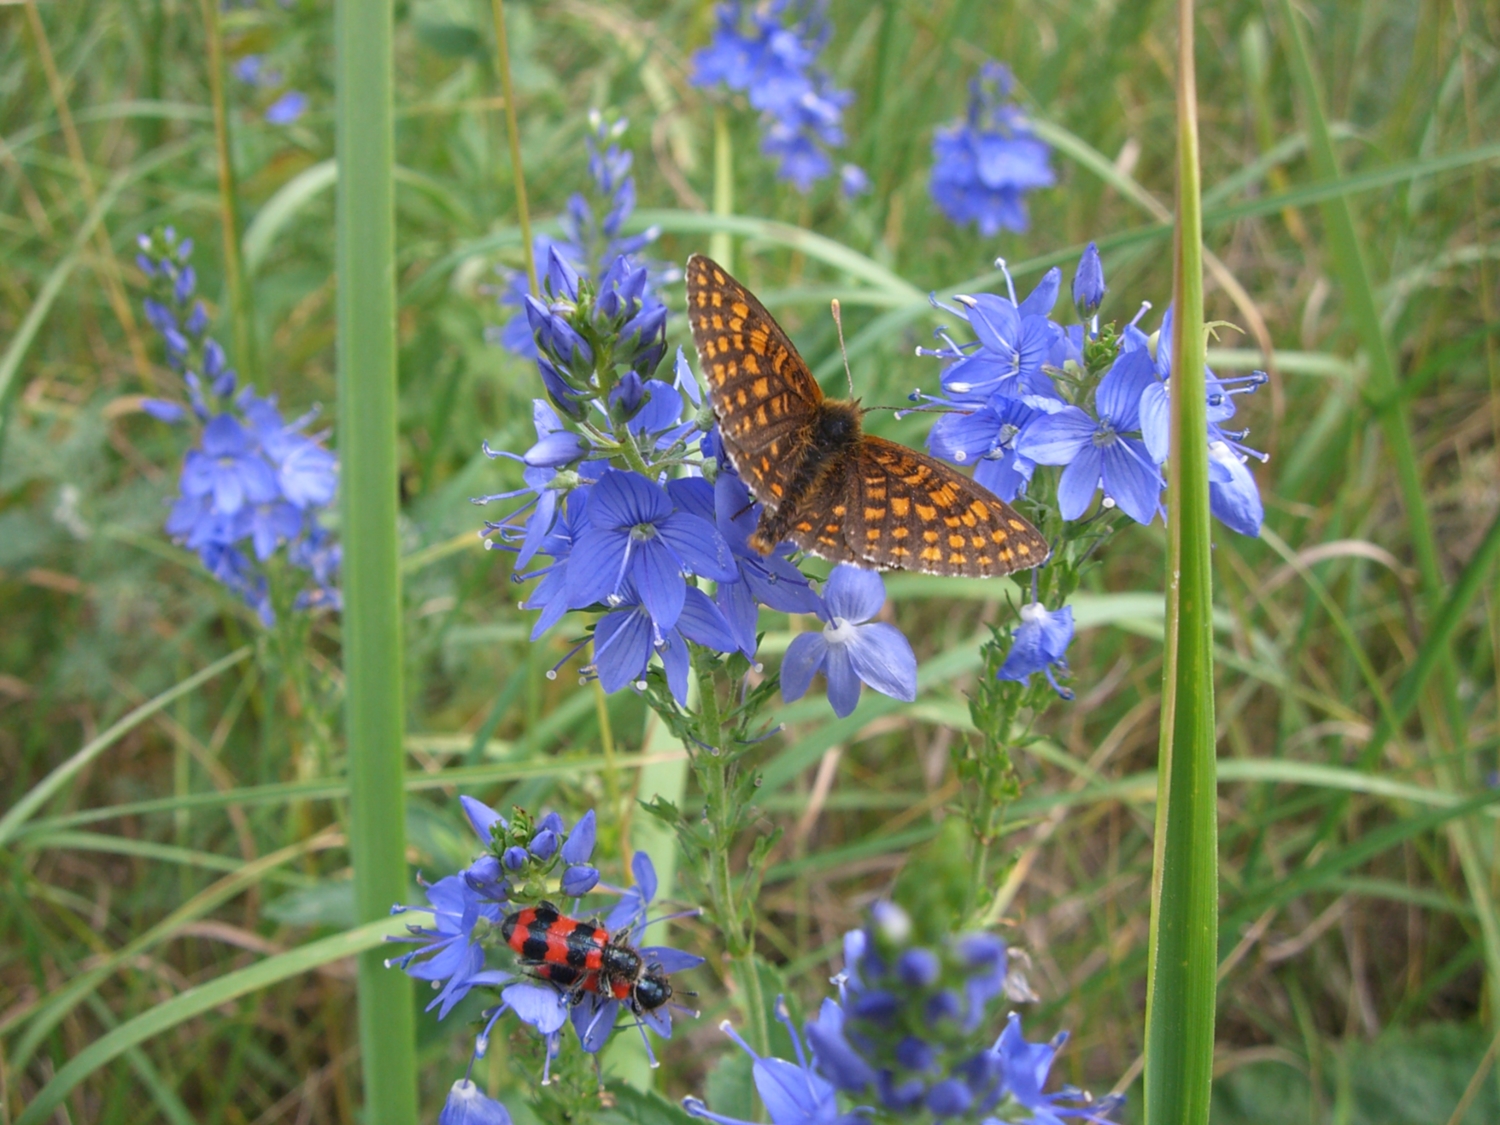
[622, 648]
[804, 657]
[698, 543]
[468, 1105]
[580, 843]
[645, 875]
[1131, 479]
[853, 594]
[883, 658]
[670, 960]
[1056, 439]
[1076, 486]
[1118, 398]
[843, 681]
[481, 817]
[541, 1006]
[623, 499]
[658, 578]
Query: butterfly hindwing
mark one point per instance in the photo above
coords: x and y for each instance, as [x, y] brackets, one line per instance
[913, 512]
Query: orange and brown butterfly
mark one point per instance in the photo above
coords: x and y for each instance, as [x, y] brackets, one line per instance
[830, 488]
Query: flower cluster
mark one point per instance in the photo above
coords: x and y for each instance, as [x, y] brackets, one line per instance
[253, 483]
[593, 237]
[1028, 392]
[1021, 396]
[522, 859]
[769, 53]
[983, 166]
[911, 1032]
[628, 497]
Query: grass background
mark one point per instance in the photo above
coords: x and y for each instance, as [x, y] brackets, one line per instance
[1353, 931]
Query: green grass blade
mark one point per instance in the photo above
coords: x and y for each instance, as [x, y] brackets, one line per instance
[203, 998]
[49, 785]
[1348, 254]
[374, 715]
[1183, 951]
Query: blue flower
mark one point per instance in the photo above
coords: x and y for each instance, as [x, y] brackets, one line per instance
[1096, 450]
[287, 108]
[1038, 643]
[793, 1093]
[1233, 497]
[306, 472]
[468, 1105]
[850, 648]
[451, 955]
[1015, 339]
[635, 533]
[853, 180]
[626, 638]
[1088, 283]
[983, 167]
[229, 468]
[773, 62]
[1026, 1065]
[985, 437]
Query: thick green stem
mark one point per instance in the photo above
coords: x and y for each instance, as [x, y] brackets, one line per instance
[720, 243]
[1183, 944]
[374, 723]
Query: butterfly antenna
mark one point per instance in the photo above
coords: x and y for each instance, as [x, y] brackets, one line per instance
[838, 322]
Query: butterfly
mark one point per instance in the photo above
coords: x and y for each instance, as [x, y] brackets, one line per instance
[827, 486]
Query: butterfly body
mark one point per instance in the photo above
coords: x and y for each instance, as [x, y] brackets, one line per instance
[825, 484]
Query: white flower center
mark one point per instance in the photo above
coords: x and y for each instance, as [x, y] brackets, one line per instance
[839, 631]
[1034, 611]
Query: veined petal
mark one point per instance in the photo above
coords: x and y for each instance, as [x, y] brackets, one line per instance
[624, 499]
[884, 659]
[1042, 299]
[843, 681]
[622, 648]
[1118, 398]
[698, 543]
[1156, 413]
[601, 551]
[675, 661]
[1057, 439]
[804, 656]
[701, 621]
[541, 1006]
[658, 578]
[1075, 488]
[855, 595]
[1131, 480]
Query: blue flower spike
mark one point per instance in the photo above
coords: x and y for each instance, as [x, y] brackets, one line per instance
[254, 483]
[983, 167]
[851, 648]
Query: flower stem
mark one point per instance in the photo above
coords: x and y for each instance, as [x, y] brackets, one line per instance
[736, 924]
[720, 245]
[513, 135]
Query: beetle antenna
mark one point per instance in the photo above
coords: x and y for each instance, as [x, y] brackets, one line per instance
[838, 322]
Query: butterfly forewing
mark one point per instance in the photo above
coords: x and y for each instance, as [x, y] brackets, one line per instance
[765, 397]
[836, 491]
